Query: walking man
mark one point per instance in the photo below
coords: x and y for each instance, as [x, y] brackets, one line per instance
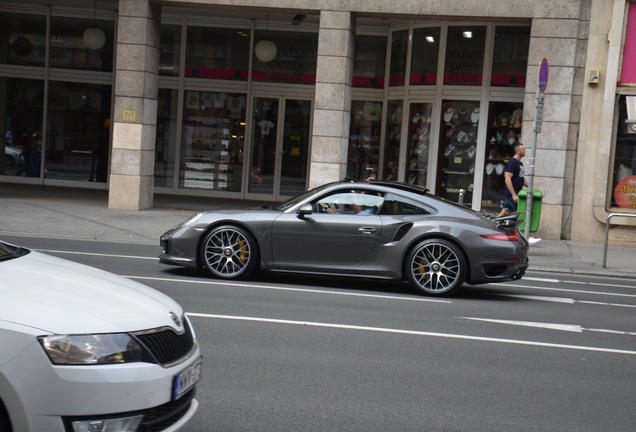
[514, 176]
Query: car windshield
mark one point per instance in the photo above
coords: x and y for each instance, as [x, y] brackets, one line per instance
[8, 251]
[293, 201]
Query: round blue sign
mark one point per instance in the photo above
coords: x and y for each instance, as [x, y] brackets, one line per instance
[543, 75]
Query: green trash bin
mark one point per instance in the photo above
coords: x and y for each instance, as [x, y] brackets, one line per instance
[537, 198]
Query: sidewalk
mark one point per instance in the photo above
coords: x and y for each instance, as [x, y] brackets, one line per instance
[84, 214]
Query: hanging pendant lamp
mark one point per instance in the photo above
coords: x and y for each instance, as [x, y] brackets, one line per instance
[94, 37]
[265, 50]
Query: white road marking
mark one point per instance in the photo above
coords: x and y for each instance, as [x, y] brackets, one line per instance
[563, 327]
[598, 284]
[551, 326]
[611, 285]
[606, 304]
[277, 288]
[413, 332]
[541, 280]
[540, 298]
[566, 290]
[563, 300]
[97, 254]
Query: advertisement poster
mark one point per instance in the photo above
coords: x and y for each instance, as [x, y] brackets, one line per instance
[625, 193]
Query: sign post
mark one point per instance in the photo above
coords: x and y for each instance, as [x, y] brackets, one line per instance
[538, 122]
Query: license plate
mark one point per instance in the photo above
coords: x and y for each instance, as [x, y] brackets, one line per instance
[185, 380]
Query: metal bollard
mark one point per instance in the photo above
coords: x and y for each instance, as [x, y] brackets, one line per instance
[461, 196]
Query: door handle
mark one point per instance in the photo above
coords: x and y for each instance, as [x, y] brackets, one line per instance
[366, 230]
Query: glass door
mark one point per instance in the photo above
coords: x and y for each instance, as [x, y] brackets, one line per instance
[280, 148]
[264, 133]
[295, 149]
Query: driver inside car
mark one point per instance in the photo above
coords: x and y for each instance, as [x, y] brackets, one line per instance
[354, 202]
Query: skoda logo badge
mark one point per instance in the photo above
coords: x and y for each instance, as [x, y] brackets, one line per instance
[175, 318]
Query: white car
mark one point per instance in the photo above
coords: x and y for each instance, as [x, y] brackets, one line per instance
[85, 350]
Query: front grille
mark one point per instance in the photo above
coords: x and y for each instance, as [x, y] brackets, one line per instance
[167, 346]
[155, 419]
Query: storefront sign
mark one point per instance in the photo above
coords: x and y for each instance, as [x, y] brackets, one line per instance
[625, 193]
[462, 78]
[424, 78]
[628, 74]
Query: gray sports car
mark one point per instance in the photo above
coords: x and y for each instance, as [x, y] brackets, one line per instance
[373, 229]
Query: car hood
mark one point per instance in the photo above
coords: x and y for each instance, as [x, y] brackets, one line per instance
[54, 295]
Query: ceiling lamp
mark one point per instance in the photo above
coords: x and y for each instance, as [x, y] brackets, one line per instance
[94, 37]
[265, 50]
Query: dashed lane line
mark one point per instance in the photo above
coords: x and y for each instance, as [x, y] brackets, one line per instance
[413, 333]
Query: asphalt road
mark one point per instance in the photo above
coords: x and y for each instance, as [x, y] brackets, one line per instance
[549, 352]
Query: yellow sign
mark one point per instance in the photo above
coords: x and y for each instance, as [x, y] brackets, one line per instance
[129, 116]
[457, 160]
[295, 151]
[295, 138]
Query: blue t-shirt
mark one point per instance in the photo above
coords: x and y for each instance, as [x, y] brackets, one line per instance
[517, 169]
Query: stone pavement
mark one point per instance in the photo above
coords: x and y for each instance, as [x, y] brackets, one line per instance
[83, 213]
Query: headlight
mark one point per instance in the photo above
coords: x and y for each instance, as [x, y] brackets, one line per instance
[193, 219]
[91, 349]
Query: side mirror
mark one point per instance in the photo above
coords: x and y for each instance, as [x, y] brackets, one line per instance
[304, 211]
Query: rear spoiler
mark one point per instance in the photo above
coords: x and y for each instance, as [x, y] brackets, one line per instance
[511, 220]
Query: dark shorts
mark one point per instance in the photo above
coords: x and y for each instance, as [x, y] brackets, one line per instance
[510, 205]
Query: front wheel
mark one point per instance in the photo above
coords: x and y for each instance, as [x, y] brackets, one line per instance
[229, 252]
[436, 267]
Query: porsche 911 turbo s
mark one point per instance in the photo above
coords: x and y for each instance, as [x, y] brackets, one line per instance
[374, 229]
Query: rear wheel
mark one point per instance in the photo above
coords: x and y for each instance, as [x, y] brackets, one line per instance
[229, 252]
[436, 267]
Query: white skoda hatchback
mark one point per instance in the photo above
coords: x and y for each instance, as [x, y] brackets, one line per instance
[85, 350]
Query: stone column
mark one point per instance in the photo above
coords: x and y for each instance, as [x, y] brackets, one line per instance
[334, 75]
[135, 113]
[557, 37]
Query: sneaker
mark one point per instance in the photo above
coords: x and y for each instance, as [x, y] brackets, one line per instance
[533, 241]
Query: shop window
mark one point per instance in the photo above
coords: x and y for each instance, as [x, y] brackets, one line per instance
[369, 61]
[399, 46]
[419, 143]
[78, 131]
[170, 50]
[69, 50]
[624, 172]
[425, 56]
[391, 163]
[295, 61]
[24, 39]
[166, 140]
[212, 143]
[504, 132]
[510, 56]
[465, 48]
[219, 53]
[21, 122]
[364, 137]
[457, 151]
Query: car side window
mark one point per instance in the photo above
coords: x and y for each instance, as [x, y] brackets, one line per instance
[352, 201]
[397, 205]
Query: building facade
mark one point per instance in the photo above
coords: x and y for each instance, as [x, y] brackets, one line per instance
[251, 99]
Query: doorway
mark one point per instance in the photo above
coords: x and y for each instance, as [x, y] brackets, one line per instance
[279, 154]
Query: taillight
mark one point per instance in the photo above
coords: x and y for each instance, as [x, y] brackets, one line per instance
[511, 236]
